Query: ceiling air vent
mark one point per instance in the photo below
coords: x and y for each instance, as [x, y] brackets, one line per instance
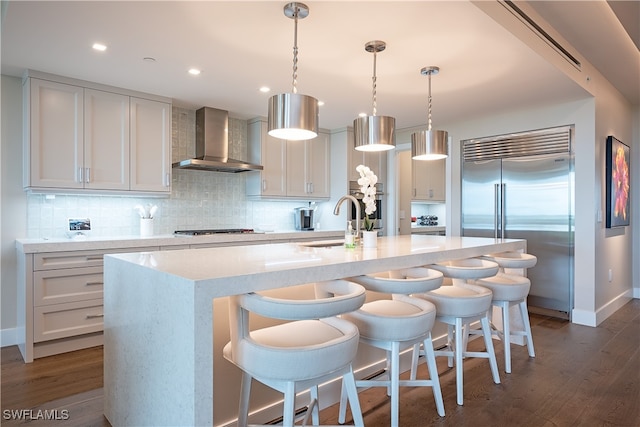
[537, 29]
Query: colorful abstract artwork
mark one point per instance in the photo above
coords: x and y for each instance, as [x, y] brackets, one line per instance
[618, 183]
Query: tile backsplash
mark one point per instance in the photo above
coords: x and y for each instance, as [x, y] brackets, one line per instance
[198, 199]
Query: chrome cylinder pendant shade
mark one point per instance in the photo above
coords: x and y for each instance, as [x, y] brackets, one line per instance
[293, 116]
[374, 133]
[429, 144]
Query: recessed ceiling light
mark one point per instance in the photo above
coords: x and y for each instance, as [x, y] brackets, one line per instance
[149, 59]
[363, 115]
[265, 89]
[320, 103]
[100, 47]
[194, 71]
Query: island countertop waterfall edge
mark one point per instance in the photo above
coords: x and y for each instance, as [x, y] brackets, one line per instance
[158, 311]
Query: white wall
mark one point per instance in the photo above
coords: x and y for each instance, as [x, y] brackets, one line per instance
[614, 247]
[13, 202]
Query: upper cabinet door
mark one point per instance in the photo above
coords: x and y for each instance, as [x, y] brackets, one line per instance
[150, 145]
[106, 140]
[428, 180]
[54, 142]
[271, 153]
[298, 184]
[318, 169]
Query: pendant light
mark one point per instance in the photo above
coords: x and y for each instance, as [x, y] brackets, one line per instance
[429, 144]
[293, 116]
[374, 133]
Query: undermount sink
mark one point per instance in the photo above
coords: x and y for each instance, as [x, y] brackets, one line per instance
[322, 243]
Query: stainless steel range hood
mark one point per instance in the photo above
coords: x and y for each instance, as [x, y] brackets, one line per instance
[212, 145]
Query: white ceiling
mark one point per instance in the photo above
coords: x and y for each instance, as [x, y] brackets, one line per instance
[241, 46]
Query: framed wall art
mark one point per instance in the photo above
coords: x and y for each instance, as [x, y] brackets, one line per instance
[618, 183]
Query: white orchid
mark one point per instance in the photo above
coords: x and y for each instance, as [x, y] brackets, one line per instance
[367, 183]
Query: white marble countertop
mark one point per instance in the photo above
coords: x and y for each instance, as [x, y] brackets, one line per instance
[124, 242]
[259, 267]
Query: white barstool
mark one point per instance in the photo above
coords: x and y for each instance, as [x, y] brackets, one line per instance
[458, 305]
[297, 355]
[510, 290]
[396, 324]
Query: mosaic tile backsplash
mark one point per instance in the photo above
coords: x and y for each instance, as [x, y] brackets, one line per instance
[198, 199]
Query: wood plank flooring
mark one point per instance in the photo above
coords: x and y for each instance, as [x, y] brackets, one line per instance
[581, 376]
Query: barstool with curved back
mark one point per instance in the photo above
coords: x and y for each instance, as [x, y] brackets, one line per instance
[396, 324]
[510, 290]
[312, 349]
[458, 305]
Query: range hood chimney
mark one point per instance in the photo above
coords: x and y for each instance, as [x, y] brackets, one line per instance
[212, 145]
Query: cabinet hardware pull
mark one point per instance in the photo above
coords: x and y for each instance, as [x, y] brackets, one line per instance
[94, 316]
[94, 283]
[80, 176]
[93, 258]
[264, 185]
[88, 175]
[167, 179]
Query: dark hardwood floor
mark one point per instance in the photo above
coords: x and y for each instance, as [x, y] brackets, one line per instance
[581, 376]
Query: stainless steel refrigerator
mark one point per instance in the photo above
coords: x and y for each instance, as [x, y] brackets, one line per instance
[521, 186]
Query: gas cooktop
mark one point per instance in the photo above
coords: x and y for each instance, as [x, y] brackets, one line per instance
[213, 231]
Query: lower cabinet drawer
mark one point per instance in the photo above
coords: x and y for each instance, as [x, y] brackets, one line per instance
[67, 285]
[65, 320]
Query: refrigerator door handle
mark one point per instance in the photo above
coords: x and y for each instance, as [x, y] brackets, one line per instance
[496, 209]
[503, 214]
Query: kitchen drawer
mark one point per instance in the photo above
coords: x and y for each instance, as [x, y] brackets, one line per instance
[58, 260]
[65, 320]
[67, 285]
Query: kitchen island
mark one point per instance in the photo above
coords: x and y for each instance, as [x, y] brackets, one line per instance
[159, 310]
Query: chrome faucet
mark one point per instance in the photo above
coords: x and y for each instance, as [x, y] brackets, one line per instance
[336, 211]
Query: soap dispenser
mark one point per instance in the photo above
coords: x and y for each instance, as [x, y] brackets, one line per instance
[349, 237]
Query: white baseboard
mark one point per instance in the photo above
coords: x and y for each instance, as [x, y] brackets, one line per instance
[8, 337]
[594, 318]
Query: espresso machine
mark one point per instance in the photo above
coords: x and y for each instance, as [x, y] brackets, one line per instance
[303, 218]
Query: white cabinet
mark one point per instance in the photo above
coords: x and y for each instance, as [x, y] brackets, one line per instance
[60, 300]
[271, 153]
[150, 131]
[428, 179]
[54, 139]
[292, 169]
[98, 139]
[308, 167]
[106, 141]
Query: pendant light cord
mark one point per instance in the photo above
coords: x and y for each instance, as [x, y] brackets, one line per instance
[429, 109]
[295, 50]
[374, 79]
